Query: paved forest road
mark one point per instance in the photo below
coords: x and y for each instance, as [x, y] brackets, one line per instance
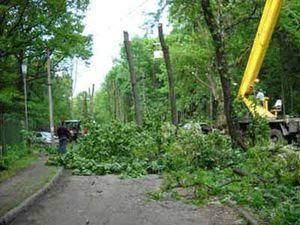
[108, 200]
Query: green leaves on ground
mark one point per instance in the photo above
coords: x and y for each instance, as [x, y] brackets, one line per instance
[194, 165]
[112, 148]
[264, 178]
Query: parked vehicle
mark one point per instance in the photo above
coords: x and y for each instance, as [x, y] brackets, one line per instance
[204, 127]
[44, 137]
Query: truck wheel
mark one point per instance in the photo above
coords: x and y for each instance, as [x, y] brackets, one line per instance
[276, 135]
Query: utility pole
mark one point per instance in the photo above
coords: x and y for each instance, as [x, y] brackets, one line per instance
[50, 98]
[136, 99]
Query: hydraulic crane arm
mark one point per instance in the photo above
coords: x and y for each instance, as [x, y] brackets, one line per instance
[261, 43]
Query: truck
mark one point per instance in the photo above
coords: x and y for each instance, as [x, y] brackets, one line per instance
[281, 127]
[74, 128]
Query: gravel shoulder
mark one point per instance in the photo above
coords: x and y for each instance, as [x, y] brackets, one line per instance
[112, 201]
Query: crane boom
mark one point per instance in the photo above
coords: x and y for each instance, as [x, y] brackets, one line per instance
[261, 43]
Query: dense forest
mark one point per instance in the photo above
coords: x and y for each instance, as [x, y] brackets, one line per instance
[159, 83]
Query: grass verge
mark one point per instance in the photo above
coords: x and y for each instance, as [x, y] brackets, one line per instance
[18, 165]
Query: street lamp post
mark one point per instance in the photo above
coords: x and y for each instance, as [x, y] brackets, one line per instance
[50, 98]
[24, 73]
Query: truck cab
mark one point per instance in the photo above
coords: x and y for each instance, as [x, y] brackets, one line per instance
[74, 128]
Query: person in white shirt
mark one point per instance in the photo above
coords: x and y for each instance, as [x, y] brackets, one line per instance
[278, 104]
[261, 97]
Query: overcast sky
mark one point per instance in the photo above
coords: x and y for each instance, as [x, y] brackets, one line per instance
[106, 21]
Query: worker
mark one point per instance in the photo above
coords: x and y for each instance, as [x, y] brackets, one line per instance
[278, 104]
[63, 136]
[261, 97]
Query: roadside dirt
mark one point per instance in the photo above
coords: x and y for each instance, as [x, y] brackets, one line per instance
[25, 183]
[108, 200]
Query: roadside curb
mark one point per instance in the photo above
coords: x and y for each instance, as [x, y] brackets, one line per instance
[13, 213]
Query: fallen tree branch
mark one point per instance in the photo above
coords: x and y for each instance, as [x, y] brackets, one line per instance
[244, 213]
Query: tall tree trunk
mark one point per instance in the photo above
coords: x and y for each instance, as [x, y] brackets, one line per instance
[84, 105]
[144, 94]
[172, 94]
[115, 99]
[216, 32]
[119, 102]
[215, 106]
[136, 99]
[153, 76]
[20, 58]
[92, 101]
[109, 100]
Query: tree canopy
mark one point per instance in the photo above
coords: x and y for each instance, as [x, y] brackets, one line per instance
[28, 29]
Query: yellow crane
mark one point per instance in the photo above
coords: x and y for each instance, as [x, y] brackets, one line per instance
[261, 43]
[281, 128]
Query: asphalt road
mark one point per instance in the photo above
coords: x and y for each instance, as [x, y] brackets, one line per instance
[108, 200]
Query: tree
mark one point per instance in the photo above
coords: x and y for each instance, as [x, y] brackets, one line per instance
[135, 95]
[28, 28]
[216, 30]
[172, 95]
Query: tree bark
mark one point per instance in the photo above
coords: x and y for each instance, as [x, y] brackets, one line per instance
[109, 99]
[216, 32]
[92, 102]
[167, 60]
[115, 100]
[84, 105]
[136, 99]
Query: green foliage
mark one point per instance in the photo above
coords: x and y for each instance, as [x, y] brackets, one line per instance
[192, 150]
[272, 185]
[112, 148]
[14, 159]
[258, 131]
[12, 154]
[189, 158]
[203, 164]
[207, 151]
[28, 28]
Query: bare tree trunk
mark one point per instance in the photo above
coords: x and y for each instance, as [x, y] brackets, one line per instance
[144, 94]
[84, 105]
[215, 29]
[109, 97]
[215, 106]
[172, 94]
[154, 72]
[118, 102]
[214, 98]
[92, 101]
[136, 99]
[115, 100]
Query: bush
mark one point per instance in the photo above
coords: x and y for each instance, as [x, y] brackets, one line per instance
[12, 154]
[258, 132]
